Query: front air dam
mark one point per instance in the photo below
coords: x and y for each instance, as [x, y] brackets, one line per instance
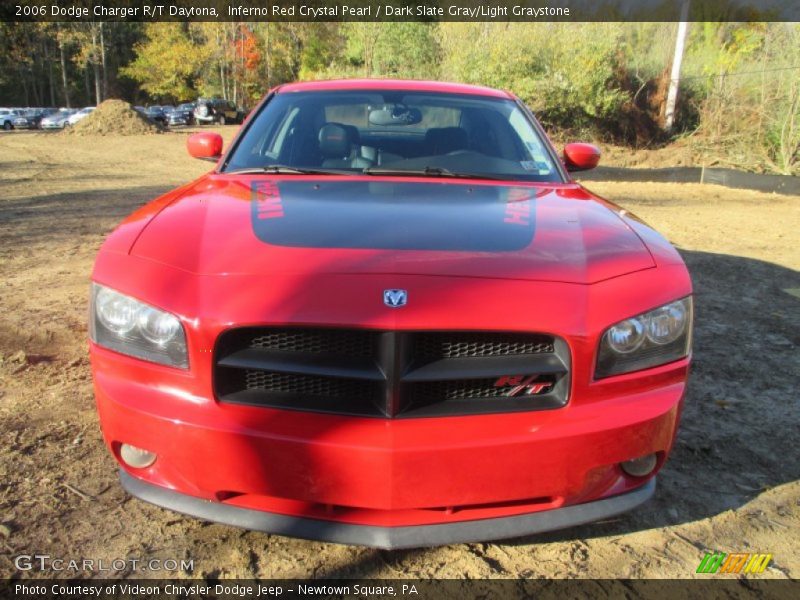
[389, 538]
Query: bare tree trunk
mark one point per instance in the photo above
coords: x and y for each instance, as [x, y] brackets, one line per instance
[268, 56]
[25, 87]
[64, 81]
[103, 56]
[98, 92]
[675, 75]
[36, 86]
[86, 83]
[50, 77]
[220, 57]
[225, 62]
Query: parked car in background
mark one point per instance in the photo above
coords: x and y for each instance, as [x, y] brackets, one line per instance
[32, 118]
[81, 114]
[156, 114]
[7, 116]
[182, 115]
[217, 110]
[57, 120]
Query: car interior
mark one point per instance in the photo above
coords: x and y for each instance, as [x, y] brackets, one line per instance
[361, 132]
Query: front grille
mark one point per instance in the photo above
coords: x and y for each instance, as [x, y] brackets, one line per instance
[459, 345]
[305, 385]
[463, 389]
[395, 374]
[316, 341]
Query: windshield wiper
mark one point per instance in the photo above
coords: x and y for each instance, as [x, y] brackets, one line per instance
[429, 172]
[285, 170]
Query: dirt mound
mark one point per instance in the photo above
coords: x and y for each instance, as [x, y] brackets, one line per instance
[114, 117]
[677, 154]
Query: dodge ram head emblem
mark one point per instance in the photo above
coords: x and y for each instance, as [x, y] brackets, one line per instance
[395, 298]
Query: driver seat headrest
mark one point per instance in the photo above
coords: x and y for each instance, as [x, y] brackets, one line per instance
[335, 141]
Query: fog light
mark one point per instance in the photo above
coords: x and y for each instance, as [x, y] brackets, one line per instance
[640, 467]
[136, 457]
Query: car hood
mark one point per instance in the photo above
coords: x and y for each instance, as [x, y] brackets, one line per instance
[304, 225]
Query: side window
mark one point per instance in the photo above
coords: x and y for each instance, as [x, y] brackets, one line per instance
[278, 140]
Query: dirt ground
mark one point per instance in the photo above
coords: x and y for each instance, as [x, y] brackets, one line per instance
[731, 484]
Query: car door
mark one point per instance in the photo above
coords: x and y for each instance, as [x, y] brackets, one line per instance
[230, 111]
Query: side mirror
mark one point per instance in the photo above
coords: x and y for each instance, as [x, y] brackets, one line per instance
[581, 157]
[205, 145]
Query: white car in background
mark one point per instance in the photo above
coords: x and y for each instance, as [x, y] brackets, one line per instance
[7, 116]
[84, 112]
[57, 120]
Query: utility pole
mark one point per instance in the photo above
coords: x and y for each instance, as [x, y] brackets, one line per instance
[677, 59]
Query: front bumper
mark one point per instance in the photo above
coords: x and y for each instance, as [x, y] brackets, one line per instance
[389, 537]
[384, 482]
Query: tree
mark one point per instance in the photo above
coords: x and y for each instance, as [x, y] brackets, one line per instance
[247, 65]
[62, 54]
[167, 63]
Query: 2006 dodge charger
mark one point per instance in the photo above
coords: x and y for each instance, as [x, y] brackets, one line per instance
[389, 317]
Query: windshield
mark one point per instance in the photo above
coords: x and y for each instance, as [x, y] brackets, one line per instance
[395, 133]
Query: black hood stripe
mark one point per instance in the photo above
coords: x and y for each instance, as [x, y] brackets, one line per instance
[393, 215]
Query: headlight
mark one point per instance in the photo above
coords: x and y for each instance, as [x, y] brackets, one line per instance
[654, 338]
[124, 324]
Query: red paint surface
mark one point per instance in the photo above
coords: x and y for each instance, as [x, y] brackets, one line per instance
[589, 265]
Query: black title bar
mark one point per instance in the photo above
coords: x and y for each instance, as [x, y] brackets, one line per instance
[399, 10]
[394, 589]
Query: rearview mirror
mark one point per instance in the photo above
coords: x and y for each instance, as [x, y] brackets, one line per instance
[206, 145]
[395, 114]
[581, 157]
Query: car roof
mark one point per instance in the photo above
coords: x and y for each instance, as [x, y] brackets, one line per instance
[410, 85]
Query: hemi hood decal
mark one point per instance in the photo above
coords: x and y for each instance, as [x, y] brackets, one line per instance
[393, 215]
[308, 226]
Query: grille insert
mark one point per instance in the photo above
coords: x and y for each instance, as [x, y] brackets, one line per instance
[466, 389]
[394, 374]
[306, 385]
[461, 345]
[316, 341]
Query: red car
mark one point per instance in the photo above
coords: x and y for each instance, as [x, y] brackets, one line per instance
[390, 317]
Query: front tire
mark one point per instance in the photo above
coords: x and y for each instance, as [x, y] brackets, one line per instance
[8, 126]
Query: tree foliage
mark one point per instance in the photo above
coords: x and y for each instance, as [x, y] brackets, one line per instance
[167, 62]
[739, 102]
